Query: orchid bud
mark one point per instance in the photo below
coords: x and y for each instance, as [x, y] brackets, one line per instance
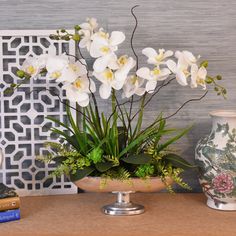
[20, 74]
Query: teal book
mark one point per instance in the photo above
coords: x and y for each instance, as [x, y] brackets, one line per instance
[10, 215]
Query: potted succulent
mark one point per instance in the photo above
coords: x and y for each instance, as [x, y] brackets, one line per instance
[116, 152]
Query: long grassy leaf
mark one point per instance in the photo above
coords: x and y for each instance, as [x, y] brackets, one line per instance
[173, 139]
[59, 123]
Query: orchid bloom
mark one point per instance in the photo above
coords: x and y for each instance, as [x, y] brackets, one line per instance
[156, 58]
[153, 76]
[55, 63]
[87, 30]
[187, 56]
[71, 71]
[116, 80]
[31, 66]
[133, 86]
[180, 69]
[103, 47]
[198, 76]
[79, 90]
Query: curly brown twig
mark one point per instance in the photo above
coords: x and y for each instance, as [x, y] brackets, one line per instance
[147, 102]
[132, 36]
[184, 104]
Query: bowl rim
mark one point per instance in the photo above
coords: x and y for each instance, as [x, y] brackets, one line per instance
[223, 113]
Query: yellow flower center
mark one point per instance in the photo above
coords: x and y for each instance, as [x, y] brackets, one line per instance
[74, 67]
[122, 60]
[78, 84]
[133, 79]
[30, 70]
[160, 56]
[186, 72]
[200, 81]
[156, 71]
[105, 49]
[56, 75]
[108, 74]
[103, 35]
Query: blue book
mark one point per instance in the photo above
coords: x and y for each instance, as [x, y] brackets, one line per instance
[10, 215]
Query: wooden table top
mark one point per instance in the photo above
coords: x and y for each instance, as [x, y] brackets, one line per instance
[166, 214]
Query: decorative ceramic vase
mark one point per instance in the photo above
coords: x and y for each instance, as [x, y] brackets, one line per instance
[216, 158]
[123, 205]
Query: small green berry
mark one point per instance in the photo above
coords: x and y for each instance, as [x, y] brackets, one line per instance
[20, 73]
[77, 27]
[204, 64]
[76, 37]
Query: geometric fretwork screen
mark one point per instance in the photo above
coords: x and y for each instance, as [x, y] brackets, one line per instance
[22, 124]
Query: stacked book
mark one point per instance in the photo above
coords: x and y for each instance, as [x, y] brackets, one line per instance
[9, 204]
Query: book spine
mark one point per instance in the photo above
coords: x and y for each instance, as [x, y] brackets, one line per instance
[10, 215]
[9, 203]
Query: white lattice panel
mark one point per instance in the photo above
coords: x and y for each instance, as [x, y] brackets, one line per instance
[22, 124]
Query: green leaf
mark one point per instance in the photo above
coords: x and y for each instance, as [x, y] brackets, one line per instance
[96, 155]
[139, 159]
[178, 161]
[173, 139]
[139, 139]
[80, 137]
[81, 173]
[104, 166]
[122, 135]
[59, 123]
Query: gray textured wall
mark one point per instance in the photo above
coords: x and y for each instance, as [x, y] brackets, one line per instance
[206, 27]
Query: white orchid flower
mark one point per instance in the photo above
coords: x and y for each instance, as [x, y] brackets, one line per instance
[153, 76]
[55, 63]
[187, 56]
[103, 47]
[31, 66]
[90, 24]
[180, 70]
[87, 30]
[116, 80]
[133, 86]
[156, 58]
[72, 71]
[198, 76]
[79, 90]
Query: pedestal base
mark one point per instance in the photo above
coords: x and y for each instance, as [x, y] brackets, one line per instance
[123, 206]
[221, 206]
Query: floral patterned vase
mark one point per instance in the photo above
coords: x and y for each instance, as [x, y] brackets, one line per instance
[216, 158]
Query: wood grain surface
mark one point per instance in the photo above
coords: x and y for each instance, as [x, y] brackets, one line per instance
[205, 27]
[183, 214]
